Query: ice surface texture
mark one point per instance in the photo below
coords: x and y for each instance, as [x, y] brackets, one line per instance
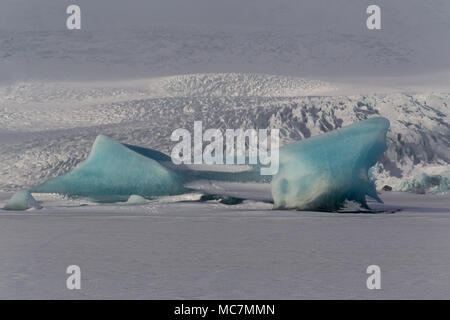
[113, 172]
[22, 200]
[321, 172]
[424, 183]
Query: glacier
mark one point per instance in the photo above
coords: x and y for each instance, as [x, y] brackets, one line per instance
[113, 172]
[22, 200]
[428, 183]
[322, 172]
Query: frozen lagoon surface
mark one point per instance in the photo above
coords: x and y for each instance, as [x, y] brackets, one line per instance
[167, 249]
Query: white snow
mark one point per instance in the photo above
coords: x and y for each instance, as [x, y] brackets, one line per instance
[190, 250]
[135, 199]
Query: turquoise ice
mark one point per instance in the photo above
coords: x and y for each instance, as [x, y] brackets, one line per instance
[119, 172]
[113, 172]
[322, 172]
[22, 200]
[319, 173]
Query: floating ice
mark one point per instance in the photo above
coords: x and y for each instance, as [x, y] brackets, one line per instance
[321, 172]
[113, 172]
[22, 200]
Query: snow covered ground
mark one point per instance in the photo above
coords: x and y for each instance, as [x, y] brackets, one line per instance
[188, 250]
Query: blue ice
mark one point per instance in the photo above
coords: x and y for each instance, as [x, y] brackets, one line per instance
[319, 173]
[322, 172]
[113, 172]
[22, 200]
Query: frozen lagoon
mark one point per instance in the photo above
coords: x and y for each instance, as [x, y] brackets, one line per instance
[171, 250]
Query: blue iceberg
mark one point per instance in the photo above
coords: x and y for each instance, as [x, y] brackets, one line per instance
[322, 172]
[22, 200]
[113, 172]
[319, 173]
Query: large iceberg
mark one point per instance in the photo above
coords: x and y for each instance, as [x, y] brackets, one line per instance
[319, 173]
[120, 172]
[322, 172]
[113, 172]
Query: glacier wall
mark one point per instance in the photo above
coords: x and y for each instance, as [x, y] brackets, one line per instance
[428, 183]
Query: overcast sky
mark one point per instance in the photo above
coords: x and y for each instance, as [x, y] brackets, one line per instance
[347, 16]
[414, 37]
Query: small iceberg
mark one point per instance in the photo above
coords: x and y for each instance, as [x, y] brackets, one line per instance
[22, 200]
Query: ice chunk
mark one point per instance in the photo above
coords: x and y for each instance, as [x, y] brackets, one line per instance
[134, 199]
[424, 183]
[321, 172]
[22, 200]
[112, 172]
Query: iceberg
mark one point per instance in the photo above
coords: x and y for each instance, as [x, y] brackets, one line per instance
[22, 200]
[113, 172]
[322, 172]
